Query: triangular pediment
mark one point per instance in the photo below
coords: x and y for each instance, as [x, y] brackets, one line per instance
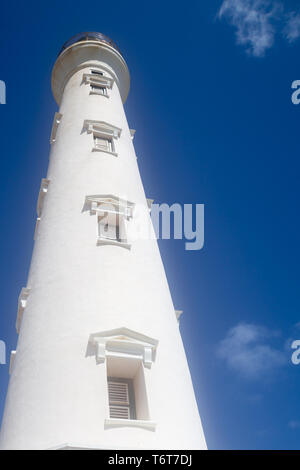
[111, 202]
[108, 199]
[124, 335]
[123, 342]
[101, 127]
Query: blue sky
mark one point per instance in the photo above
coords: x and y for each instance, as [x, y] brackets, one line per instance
[211, 102]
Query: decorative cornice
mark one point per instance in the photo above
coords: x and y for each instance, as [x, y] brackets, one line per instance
[123, 342]
[109, 203]
[101, 128]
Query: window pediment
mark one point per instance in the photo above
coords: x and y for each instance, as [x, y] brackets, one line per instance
[109, 204]
[104, 135]
[101, 128]
[123, 342]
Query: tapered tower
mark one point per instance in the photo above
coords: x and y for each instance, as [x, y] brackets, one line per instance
[100, 362]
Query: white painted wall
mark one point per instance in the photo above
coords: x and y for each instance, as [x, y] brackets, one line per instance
[56, 393]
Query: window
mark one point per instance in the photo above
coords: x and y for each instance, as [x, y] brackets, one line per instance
[99, 83]
[109, 228]
[99, 90]
[97, 72]
[113, 215]
[110, 224]
[104, 135]
[126, 386]
[121, 398]
[128, 356]
[102, 143]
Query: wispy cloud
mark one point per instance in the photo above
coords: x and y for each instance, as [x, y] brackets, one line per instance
[294, 424]
[246, 350]
[257, 22]
[253, 22]
[292, 27]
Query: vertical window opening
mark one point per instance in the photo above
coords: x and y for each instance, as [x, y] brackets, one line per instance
[99, 90]
[127, 395]
[97, 72]
[109, 227]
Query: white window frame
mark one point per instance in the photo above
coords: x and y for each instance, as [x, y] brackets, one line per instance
[95, 80]
[110, 145]
[116, 347]
[97, 89]
[110, 232]
[113, 210]
[103, 130]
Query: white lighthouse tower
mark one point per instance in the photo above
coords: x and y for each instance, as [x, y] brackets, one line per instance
[100, 362]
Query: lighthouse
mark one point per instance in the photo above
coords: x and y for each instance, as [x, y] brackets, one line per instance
[99, 362]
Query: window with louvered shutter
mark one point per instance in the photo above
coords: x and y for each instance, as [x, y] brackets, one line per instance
[121, 404]
[103, 144]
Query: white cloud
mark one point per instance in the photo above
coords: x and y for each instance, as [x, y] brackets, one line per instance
[253, 20]
[245, 350]
[257, 21]
[292, 28]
